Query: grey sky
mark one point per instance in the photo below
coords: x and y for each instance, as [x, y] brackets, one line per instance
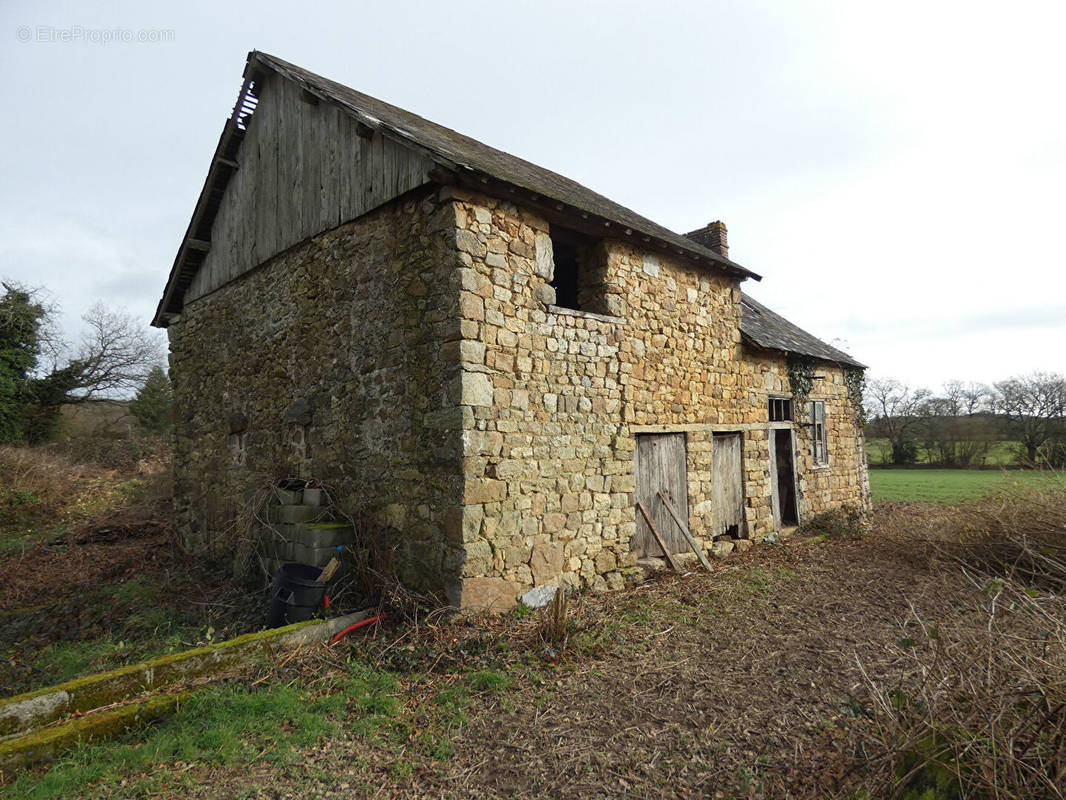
[896, 172]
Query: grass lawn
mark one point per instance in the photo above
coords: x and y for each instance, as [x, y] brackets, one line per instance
[879, 451]
[945, 485]
[74, 604]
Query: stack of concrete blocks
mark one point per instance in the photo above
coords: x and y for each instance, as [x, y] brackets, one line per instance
[300, 528]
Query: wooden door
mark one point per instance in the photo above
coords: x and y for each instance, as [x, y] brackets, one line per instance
[661, 464]
[727, 492]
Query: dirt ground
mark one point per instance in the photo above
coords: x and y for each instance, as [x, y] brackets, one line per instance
[729, 684]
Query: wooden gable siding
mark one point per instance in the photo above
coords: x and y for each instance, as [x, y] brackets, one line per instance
[304, 168]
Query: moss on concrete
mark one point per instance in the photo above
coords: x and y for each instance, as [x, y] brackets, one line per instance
[48, 742]
[42, 706]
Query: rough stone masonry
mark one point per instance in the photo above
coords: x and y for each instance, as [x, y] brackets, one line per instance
[415, 361]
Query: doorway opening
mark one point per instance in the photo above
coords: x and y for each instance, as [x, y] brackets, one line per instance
[786, 477]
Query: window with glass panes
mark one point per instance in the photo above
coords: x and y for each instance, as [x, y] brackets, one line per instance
[818, 432]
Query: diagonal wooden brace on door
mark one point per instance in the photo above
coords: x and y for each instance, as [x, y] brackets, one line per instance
[658, 537]
[684, 530]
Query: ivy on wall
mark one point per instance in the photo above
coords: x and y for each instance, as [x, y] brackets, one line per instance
[855, 380]
[801, 379]
[800, 376]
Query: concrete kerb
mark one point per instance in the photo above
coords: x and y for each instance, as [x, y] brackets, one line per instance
[28, 712]
[46, 743]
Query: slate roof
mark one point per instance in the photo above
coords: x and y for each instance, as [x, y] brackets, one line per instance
[461, 153]
[770, 330]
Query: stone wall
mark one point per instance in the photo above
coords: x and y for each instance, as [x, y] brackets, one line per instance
[843, 480]
[336, 360]
[414, 360]
[555, 398]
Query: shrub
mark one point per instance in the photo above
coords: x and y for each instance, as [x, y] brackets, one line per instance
[904, 453]
[845, 522]
[36, 483]
[125, 453]
[1054, 454]
[979, 709]
[46, 487]
[1018, 533]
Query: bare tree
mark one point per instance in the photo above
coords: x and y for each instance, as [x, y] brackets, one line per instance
[940, 427]
[973, 397]
[956, 429]
[39, 372]
[116, 354]
[1034, 406]
[898, 411]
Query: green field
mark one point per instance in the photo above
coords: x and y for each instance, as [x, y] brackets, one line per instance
[879, 451]
[946, 485]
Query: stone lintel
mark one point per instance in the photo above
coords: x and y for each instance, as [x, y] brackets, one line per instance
[573, 312]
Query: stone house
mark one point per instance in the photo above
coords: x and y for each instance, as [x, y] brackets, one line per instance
[488, 363]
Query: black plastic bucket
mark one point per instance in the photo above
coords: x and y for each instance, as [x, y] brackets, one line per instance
[295, 595]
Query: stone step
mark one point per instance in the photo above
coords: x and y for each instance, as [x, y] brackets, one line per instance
[722, 548]
[651, 564]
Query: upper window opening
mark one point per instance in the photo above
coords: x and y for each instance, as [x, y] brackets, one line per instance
[780, 409]
[575, 279]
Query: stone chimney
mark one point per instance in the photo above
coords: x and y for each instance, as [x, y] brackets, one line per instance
[713, 237]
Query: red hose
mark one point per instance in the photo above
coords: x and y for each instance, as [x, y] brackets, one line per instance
[356, 625]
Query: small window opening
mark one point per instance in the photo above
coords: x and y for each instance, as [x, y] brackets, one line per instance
[575, 284]
[818, 432]
[780, 409]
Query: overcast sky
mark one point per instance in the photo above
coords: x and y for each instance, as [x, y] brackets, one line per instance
[895, 171]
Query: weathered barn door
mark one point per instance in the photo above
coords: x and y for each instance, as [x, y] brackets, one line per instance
[661, 465]
[727, 493]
